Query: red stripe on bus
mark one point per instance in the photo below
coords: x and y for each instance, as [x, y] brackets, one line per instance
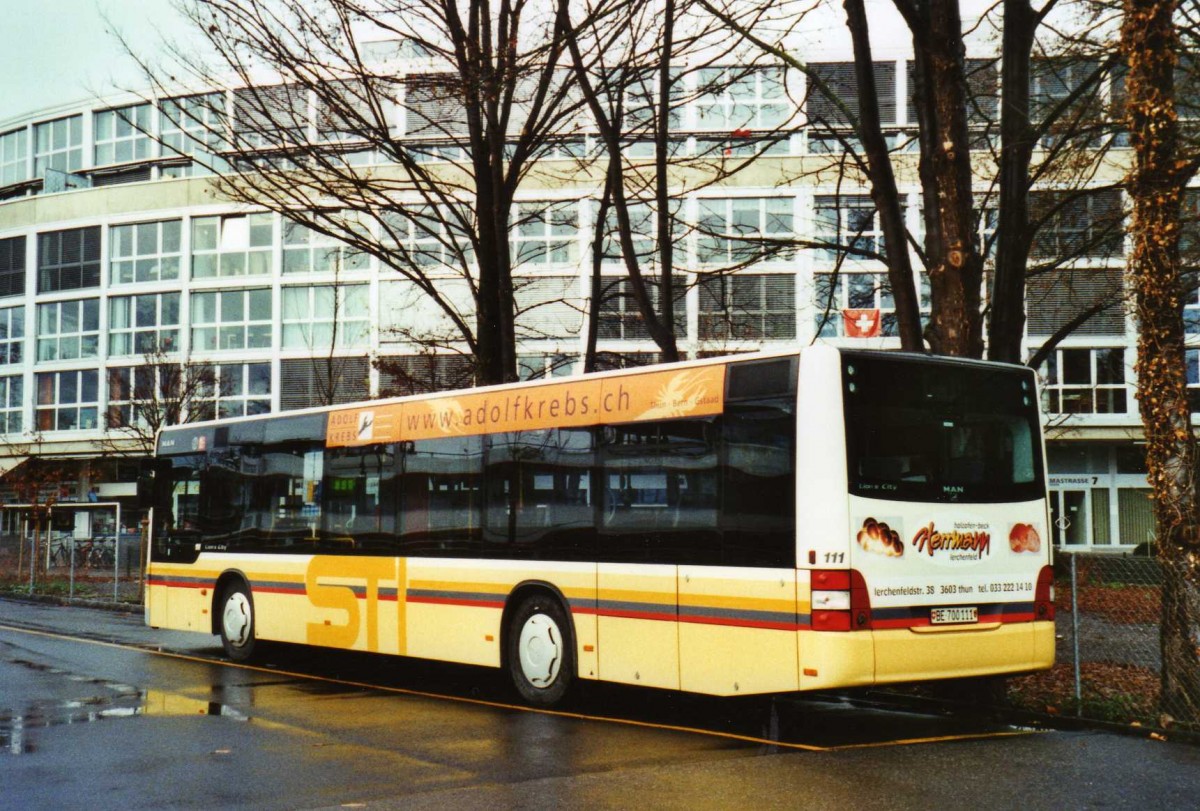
[457, 601]
[732, 623]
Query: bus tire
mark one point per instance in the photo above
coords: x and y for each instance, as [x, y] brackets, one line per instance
[541, 654]
[237, 622]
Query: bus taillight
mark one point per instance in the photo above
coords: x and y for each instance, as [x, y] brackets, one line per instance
[1043, 595]
[840, 601]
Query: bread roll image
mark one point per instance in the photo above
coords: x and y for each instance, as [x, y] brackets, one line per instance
[1024, 538]
[880, 539]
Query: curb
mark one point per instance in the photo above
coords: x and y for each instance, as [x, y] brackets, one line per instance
[75, 602]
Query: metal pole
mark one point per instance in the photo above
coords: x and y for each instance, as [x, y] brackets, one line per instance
[72, 591]
[117, 552]
[1075, 634]
[32, 559]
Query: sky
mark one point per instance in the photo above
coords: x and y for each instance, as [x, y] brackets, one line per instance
[55, 52]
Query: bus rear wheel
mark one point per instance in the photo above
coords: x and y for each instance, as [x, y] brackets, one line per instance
[541, 659]
[237, 622]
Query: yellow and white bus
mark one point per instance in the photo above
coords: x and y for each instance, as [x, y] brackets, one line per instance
[740, 525]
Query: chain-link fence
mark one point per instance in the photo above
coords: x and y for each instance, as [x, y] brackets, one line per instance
[1110, 662]
[93, 555]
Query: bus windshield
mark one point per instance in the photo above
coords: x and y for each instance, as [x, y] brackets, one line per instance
[948, 432]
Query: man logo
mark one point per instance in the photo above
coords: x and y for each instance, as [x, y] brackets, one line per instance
[366, 424]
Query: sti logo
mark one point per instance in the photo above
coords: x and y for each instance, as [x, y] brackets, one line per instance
[366, 424]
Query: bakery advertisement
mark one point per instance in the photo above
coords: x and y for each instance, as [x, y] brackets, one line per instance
[1024, 538]
[882, 537]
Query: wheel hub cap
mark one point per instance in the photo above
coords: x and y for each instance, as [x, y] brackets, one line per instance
[540, 650]
[236, 619]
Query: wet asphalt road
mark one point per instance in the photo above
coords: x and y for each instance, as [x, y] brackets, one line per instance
[97, 711]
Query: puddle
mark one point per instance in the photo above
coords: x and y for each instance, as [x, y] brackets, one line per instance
[111, 700]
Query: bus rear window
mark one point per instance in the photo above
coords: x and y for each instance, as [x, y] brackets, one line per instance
[941, 431]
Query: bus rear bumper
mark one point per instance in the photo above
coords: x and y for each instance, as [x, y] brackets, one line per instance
[849, 659]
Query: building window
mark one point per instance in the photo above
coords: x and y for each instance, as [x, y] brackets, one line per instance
[747, 307]
[1086, 381]
[58, 145]
[12, 406]
[743, 230]
[12, 266]
[239, 390]
[68, 330]
[849, 226]
[143, 325]
[269, 116]
[428, 237]
[231, 319]
[736, 99]
[418, 374]
[67, 401]
[232, 246]
[145, 252]
[122, 135]
[1054, 298]
[620, 319]
[1193, 379]
[824, 110]
[1078, 225]
[834, 292]
[192, 126]
[433, 109]
[12, 335]
[546, 233]
[69, 260]
[643, 227]
[309, 251]
[547, 307]
[14, 157]
[308, 382]
[324, 318]
[537, 367]
[983, 91]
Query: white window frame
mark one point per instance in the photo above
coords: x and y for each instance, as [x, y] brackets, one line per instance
[322, 318]
[133, 260]
[126, 330]
[68, 330]
[84, 412]
[231, 246]
[121, 135]
[58, 144]
[221, 333]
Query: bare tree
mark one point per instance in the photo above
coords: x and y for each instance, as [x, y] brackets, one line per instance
[301, 114]
[160, 391]
[1161, 171]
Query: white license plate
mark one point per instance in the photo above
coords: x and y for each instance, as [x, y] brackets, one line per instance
[949, 616]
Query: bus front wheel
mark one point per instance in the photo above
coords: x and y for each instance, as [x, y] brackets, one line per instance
[237, 622]
[541, 660]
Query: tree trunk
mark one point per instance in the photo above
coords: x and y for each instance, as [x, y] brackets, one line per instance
[1156, 183]
[1007, 325]
[951, 243]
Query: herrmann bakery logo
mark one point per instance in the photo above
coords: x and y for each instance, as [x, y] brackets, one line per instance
[968, 540]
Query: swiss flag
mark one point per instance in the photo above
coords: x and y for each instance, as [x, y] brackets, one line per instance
[861, 323]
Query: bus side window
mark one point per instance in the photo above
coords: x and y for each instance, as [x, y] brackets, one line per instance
[661, 492]
[358, 499]
[759, 497]
[538, 486]
[440, 496]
